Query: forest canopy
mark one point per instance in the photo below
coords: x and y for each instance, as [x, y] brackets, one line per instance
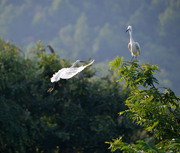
[119, 106]
[78, 116]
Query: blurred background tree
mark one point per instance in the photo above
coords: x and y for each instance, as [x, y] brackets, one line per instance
[96, 29]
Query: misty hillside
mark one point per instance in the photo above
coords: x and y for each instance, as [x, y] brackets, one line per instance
[84, 29]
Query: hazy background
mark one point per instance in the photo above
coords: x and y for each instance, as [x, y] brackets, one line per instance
[80, 29]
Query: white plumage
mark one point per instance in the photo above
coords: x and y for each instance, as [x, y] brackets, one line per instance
[67, 73]
[133, 46]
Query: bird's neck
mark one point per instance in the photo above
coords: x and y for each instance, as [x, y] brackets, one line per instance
[74, 64]
[131, 36]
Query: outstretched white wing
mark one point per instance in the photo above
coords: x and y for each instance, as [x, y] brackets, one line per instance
[67, 73]
[72, 71]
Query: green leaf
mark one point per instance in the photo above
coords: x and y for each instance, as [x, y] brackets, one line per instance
[116, 63]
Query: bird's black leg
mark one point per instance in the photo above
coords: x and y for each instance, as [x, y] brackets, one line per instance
[132, 58]
[52, 87]
[53, 84]
[136, 58]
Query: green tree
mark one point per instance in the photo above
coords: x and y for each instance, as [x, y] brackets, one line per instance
[17, 75]
[158, 112]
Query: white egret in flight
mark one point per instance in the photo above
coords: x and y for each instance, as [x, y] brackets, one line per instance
[133, 46]
[67, 73]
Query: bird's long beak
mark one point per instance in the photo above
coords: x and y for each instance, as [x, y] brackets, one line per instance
[82, 61]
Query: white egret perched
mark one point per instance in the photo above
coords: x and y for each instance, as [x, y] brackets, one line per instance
[67, 73]
[133, 46]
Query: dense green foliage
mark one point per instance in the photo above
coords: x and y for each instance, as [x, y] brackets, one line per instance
[94, 28]
[78, 116]
[158, 112]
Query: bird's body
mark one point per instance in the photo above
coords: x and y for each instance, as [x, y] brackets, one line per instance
[67, 73]
[133, 46]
